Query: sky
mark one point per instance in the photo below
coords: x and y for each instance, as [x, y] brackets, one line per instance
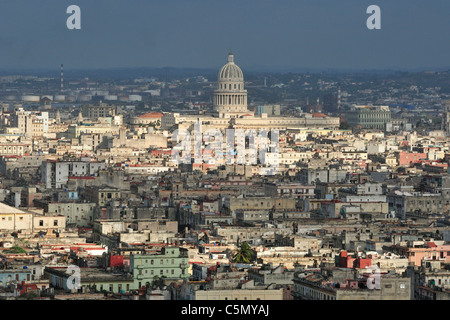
[262, 34]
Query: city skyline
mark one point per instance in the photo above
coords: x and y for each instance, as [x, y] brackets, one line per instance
[225, 158]
[195, 34]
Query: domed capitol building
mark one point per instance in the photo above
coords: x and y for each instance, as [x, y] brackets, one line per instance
[230, 105]
[230, 97]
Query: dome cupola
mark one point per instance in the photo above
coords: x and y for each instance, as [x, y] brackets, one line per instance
[230, 71]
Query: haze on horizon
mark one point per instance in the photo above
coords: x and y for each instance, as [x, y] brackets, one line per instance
[320, 34]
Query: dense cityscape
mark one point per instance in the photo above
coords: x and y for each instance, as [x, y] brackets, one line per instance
[103, 198]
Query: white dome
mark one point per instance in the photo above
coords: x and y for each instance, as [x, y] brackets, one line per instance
[230, 71]
[230, 96]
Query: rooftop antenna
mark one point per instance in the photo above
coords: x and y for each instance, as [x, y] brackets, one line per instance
[339, 98]
[62, 77]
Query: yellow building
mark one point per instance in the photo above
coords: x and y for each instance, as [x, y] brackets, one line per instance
[13, 219]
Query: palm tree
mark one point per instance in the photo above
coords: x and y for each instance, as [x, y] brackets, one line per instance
[244, 254]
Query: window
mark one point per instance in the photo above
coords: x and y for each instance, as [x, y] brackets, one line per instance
[55, 222]
[41, 223]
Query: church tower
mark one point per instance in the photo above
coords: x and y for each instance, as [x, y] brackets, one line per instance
[230, 97]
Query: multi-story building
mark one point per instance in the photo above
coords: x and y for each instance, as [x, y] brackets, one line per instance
[15, 166]
[430, 281]
[74, 131]
[269, 274]
[13, 219]
[406, 204]
[102, 110]
[289, 190]
[56, 174]
[387, 287]
[101, 195]
[370, 117]
[81, 214]
[419, 251]
[31, 124]
[13, 149]
[170, 263]
[259, 203]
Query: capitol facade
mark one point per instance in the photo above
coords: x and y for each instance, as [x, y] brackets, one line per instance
[231, 110]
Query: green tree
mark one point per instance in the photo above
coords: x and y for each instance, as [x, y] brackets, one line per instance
[16, 250]
[29, 295]
[245, 254]
[158, 281]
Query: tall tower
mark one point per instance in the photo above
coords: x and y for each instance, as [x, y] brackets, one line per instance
[80, 117]
[230, 97]
[58, 117]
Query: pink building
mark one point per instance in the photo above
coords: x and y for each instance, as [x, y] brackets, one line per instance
[430, 251]
[408, 158]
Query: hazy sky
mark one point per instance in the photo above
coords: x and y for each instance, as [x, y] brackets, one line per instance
[199, 33]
